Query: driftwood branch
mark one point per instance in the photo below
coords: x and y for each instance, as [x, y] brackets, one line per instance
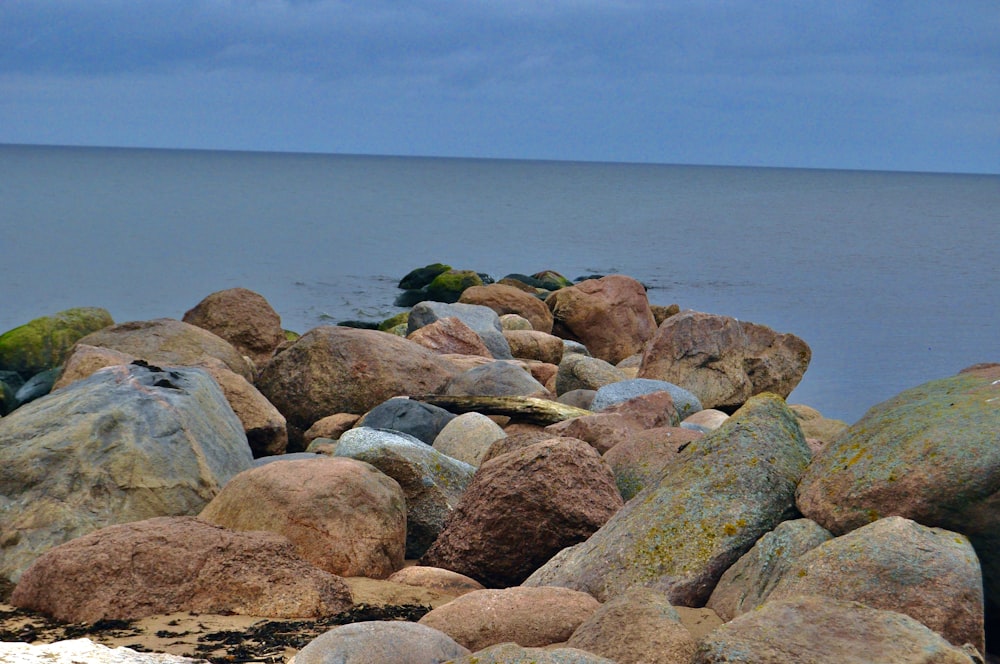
[524, 409]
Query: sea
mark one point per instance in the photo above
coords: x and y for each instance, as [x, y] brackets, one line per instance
[890, 277]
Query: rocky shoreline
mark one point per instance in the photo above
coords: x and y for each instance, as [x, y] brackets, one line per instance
[526, 470]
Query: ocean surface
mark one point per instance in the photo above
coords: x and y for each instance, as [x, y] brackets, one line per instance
[892, 278]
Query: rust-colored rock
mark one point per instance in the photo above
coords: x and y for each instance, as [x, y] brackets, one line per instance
[505, 299]
[601, 430]
[610, 316]
[331, 426]
[343, 515]
[243, 318]
[533, 345]
[523, 507]
[171, 564]
[450, 335]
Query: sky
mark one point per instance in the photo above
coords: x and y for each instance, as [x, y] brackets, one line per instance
[874, 85]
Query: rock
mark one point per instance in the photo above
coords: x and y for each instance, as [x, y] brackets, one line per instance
[523, 507]
[44, 343]
[930, 574]
[610, 316]
[496, 379]
[532, 345]
[747, 584]
[662, 313]
[505, 299]
[343, 515]
[929, 454]
[169, 342]
[707, 420]
[638, 627]
[172, 564]
[420, 420]
[86, 359]
[514, 322]
[814, 425]
[37, 386]
[127, 443]
[820, 630]
[75, 651]
[331, 426]
[432, 483]
[343, 370]
[380, 641]
[551, 280]
[468, 437]
[570, 346]
[581, 372]
[482, 320]
[511, 653]
[521, 411]
[8, 400]
[449, 285]
[450, 335]
[543, 372]
[602, 431]
[580, 398]
[648, 411]
[715, 500]
[243, 318]
[685, 403]
[639, 461]
[722, 360]
[436, 578]
[526, 616]
[421, 276]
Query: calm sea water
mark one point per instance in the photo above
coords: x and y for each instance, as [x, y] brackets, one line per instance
[892, 278]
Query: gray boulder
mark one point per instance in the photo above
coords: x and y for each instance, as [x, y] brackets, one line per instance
[421, 420]
[381, 641]
[125, 444]
[610, 394]
[718, 497]
[484, 321]
[495, 379]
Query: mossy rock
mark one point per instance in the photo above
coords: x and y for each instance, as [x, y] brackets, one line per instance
[394, 321]
[409, 298]
[551, 280]
[422, 276]
[45, 342]
[7, 400]
[290, 335]
[448, 286]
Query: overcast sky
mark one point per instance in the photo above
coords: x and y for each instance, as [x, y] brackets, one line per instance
[889, 84]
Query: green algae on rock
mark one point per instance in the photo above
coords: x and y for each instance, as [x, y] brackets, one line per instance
[44, 342]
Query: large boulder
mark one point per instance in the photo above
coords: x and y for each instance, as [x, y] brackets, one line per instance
[482, 320]
[522, 507]
[930, 454]
[720, 494]
[432, 482]
[722, 360]
[747, 584]
[821, 630]
[639, 461]
[243, 318]
[44, 342]
[896, 564]
[526, 616]
[343, 515]
[332, 370]
[165, 341]
[505, 299]
[128, 443]
[421, 420]
[610, 316]
[381, 641]
[171, 564]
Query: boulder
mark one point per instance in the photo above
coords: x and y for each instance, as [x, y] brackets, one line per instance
[929, 454]
[381, 641]
[532, 345]
[468, 437]
[415, 418]
[514, 322]
[814, 425]
[482, 320]
[722, 360]
[450, 335]
[706, 420]
[648, 411]
[432, 482]
[609, 394]
[582, 372]
[172, 564]
[125, 444]
[421, 276]
[637, 627]
[344, 370]
[436, 578]
[511, 653]
[505, 299]
[602, 431]
[342, 515]
[44, 343]
[37, 386]
[331, 426]
[243, 318]
[715, 500]
[517, 439]
[496, 379]
[165, 341]
[450, 284]
[581, 398]
[747, 584]
[639, 461]
[610, 316]
[526, 616]
[75, 651]
[930, 574]
[521, 508]
[85, 359]
[821, 630]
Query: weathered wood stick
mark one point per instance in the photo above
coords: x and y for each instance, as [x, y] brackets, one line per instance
[525, 409]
